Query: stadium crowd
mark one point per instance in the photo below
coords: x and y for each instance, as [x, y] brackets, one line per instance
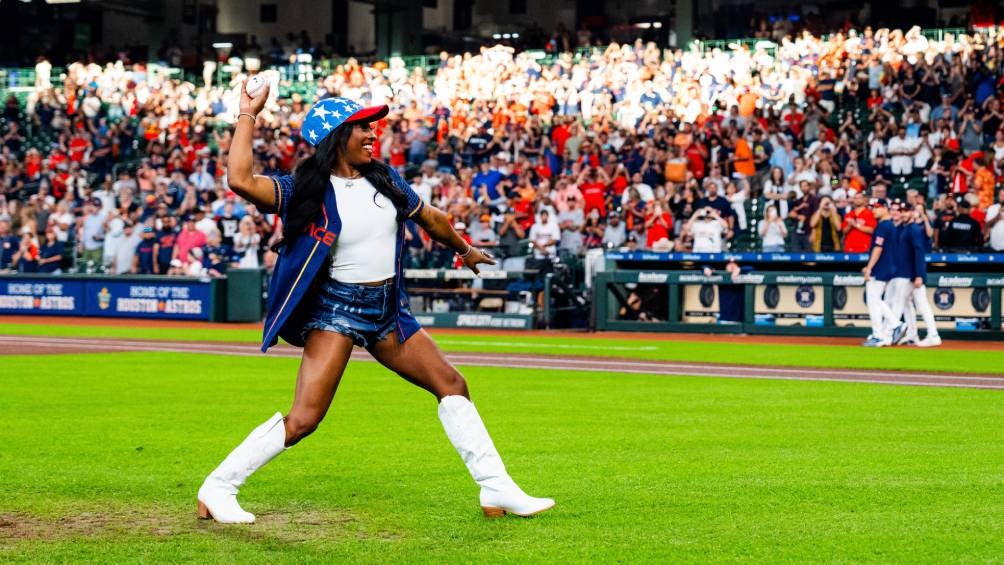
[780, 148]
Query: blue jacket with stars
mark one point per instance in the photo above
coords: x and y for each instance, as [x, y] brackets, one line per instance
[301, 261]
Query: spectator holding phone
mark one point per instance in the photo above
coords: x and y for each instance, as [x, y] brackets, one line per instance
[706, 229]
[825, 224]
[772, 231]
[658, 226]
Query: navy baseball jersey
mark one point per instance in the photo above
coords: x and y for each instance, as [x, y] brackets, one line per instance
[885, 237]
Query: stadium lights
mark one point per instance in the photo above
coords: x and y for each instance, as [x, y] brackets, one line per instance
[643, 25]
[223, 45]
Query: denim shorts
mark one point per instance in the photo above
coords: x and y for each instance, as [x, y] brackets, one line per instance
[364, 313]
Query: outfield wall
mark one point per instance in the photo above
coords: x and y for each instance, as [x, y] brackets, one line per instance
[965, 305]
[240, 296]
[174, 298]
[802, 302]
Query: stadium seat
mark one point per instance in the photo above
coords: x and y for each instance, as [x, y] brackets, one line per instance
[514, 264]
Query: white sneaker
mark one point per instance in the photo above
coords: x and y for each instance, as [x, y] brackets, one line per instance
[897, 334]
[499, 493]
[218, 494]
[930, 341]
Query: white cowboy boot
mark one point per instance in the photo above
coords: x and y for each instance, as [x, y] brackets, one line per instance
[499, 494]
[218, 494]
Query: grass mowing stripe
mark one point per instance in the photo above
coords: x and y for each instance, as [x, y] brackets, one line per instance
[644, 469]
[168, 333]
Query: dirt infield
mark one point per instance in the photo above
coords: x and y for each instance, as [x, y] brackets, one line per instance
[12, 348]
[660, 336]
[44, 345]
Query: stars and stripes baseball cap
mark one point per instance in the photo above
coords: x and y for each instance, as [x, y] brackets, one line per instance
[328, 114]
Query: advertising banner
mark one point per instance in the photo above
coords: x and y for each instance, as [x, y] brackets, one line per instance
[789, 305]
[958, 308]
[474, 320]
[105, 296]
[41, 296]
[182, 301]
[700, 304]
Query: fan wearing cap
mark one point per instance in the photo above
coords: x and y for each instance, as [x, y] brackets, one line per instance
[338, 283]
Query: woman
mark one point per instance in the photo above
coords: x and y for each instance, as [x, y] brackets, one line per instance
[634, 209]
[50, 253]
[592, 231]
[658, 226]
[737, 200]
[998, 148]
[246, 244]
[327, 296]
[825, 225]
[25, 259]
[772, 231]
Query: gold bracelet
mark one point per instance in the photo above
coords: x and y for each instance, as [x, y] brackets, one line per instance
[253, 117]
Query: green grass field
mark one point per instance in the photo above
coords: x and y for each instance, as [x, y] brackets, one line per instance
[792, 355]
[101, 456]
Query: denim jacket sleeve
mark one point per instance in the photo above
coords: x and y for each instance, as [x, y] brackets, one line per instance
[283, 193]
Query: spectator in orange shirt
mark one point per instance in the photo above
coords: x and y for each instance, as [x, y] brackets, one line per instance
[747, 103]
[743, 160]
[983, 183]
[859, 224]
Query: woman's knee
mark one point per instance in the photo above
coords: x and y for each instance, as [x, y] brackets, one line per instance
[299, 426]
[451, 383]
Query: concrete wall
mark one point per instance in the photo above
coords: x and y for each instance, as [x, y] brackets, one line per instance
[491, 16]
[125, 27]
[362, 27]
[293, 15]
[439, 18]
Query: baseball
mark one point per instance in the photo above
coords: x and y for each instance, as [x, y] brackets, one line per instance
[255, 85]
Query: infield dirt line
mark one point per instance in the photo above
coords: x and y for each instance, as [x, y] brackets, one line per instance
[43, 345]
[555, 362]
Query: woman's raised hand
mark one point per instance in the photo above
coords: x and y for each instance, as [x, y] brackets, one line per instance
[253, 105]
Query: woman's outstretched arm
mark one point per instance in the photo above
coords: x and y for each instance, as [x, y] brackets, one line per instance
[435, 222]
[257, 189]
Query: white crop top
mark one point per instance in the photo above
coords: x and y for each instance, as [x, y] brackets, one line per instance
[364, 250]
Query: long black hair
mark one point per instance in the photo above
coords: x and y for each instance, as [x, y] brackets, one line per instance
[312, 176]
